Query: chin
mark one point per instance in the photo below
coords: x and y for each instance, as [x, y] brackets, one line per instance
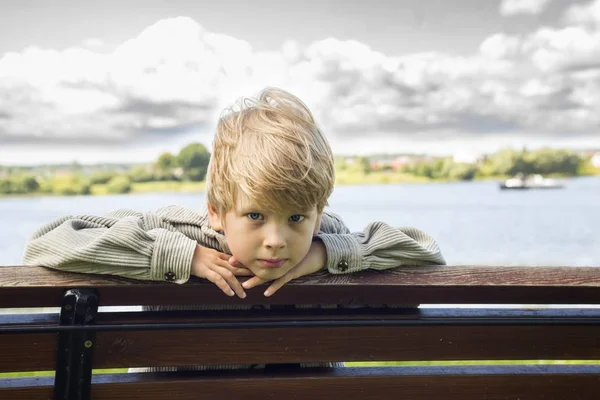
[271, 274]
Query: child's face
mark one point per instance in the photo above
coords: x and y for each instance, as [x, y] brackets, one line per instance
[267, 243]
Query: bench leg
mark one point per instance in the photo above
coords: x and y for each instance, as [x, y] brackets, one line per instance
[73, 376]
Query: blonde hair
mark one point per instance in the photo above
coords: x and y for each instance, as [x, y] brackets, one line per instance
[271, 149]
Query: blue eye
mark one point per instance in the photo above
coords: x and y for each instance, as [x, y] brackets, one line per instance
[254, 216]
[297, 218]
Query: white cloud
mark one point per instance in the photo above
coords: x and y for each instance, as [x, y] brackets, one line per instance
[172, 71]
[587, 14]
[500, 46]
[560, 49]
[176, 77]
[512, 7]
[93, 42]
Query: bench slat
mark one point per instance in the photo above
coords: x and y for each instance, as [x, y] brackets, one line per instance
[27, 286]
[540, 338]
[415, 383]
[312, 314]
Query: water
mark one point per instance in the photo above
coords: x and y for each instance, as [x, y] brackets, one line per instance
[474, 222]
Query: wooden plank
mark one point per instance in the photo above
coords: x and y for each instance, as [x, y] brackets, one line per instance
[434, 339]
[415, 383]
[42, 287]
[305, 314]
[32, 352]
[346, 344]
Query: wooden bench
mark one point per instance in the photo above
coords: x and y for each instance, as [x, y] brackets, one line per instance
[366, 326]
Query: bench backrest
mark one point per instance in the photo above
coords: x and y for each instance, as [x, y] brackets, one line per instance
[362, 319]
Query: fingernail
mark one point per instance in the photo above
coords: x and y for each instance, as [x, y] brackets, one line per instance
[245, 284]
[231, 293]
[267, 293]
[243, 295]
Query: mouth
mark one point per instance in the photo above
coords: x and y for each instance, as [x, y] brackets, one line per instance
[272, 262]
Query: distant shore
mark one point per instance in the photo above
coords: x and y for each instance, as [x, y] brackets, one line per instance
[186, 171]
[373, 178]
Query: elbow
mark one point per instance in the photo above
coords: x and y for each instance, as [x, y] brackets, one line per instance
[30, 256]
[33, 255]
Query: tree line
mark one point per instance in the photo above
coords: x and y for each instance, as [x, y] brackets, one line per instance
[191, 163]
[503, 163]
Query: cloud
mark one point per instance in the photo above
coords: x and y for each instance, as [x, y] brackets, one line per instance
[513, 7]
[587, 14]
[175, 77]
[169, 75]
[93, 42]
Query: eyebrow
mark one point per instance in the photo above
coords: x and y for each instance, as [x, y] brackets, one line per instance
[248, 208]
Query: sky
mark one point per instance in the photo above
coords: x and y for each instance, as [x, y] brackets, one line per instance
[123, 81]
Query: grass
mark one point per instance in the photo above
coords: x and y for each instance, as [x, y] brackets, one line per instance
[341, 179]
[155, 187]
[361, 364]
[473, 362]
[30, 374]
[344, 178]
[589, 169]
[168, 186]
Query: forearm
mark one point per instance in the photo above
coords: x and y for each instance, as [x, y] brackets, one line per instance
[116, 247]
[379, 246]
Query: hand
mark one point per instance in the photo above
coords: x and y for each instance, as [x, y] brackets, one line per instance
[313, 262]
[214, 266]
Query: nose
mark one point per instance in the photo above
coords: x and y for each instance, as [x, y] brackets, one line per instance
[274, 237]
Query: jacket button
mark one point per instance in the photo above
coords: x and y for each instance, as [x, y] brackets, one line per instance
[343, 265]
[169, 276]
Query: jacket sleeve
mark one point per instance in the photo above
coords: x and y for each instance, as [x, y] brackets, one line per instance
[124, 243]
[379, 246]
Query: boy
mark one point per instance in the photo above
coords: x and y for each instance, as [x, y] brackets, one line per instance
[268, 181]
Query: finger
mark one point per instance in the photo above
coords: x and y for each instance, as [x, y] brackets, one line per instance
[235, 262]
[252, 282]
[278, 284]
[225, 264]
[224, 256]
[237, 271]
[243, 272]
[231, 280]
[220, 282]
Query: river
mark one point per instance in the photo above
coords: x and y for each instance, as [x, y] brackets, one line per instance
[474, 222]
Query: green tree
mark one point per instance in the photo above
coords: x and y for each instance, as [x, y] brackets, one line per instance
[19, 184]
[359, 165]
[553, 161]
[102, 177]
[164, 166]
[340, 163]
[140, 174]
[585, 168]
[119, 185]
[422, 168]
[194, 159]
[440, 169]
[461, 171]
[69, 185]
[23, 184]
[5, 186]
[502, 162]
[166, 162]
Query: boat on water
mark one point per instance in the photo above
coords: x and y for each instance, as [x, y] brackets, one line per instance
[534, 181]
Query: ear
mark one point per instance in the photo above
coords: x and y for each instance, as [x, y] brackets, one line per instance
[318, 224]
[214, 218]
